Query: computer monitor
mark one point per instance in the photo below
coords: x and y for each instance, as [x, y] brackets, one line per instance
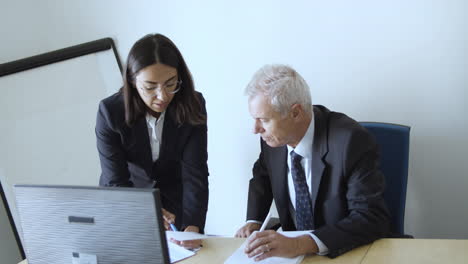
[74, 224]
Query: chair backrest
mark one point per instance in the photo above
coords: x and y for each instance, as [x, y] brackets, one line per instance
[393, 141]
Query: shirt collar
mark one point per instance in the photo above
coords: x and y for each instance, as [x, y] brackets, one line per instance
[304, 148]
[152, 121]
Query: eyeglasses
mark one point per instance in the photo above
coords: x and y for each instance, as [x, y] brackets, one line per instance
[171, 87]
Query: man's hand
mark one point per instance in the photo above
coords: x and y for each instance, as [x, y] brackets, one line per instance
[262, 245]
[189, 244]
[247, 229]
[169, 218]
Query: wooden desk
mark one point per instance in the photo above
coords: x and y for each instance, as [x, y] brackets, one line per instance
[217, 250]
[425, 251]
[383, 251]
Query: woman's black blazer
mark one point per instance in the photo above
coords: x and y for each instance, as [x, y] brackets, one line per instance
[180, 172]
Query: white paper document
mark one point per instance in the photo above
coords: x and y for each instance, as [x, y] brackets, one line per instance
[182, 236]
[240, 257]
[177, 253]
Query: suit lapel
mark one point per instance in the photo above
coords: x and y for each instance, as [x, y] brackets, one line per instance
[279, 171]
[319, 150]
[142, 142]
[140, 130]
[279, 179]
[170, 135]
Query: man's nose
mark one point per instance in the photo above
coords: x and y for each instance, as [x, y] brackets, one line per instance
[257, 127]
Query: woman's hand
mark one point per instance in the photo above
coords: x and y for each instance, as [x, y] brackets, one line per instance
[169, 218]
[189, 244]
[247, 229]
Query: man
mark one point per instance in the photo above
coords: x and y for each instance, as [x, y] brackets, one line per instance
[320, 167]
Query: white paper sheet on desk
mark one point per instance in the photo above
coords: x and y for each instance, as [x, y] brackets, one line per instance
[177, 253]
[240, 257]
[182, 236]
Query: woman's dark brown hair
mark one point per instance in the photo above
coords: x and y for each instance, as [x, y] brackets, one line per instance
[185, 107]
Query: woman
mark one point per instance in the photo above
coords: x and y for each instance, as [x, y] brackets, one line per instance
[153, 133]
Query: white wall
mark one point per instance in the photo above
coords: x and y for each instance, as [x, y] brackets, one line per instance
[393, 61]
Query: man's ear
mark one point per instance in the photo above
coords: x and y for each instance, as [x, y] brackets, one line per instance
[296, 110]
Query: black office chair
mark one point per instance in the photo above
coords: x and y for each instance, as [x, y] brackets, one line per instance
[393, 141]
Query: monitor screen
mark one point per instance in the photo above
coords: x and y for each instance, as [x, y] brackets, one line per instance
[76, 224]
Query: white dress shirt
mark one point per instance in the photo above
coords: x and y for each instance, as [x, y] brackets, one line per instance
[155, 129]
[304, 148]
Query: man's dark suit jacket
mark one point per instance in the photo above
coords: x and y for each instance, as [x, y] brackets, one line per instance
[347, 187]
[180, 172]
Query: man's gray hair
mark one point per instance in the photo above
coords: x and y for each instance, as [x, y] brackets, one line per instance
[282, 85]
